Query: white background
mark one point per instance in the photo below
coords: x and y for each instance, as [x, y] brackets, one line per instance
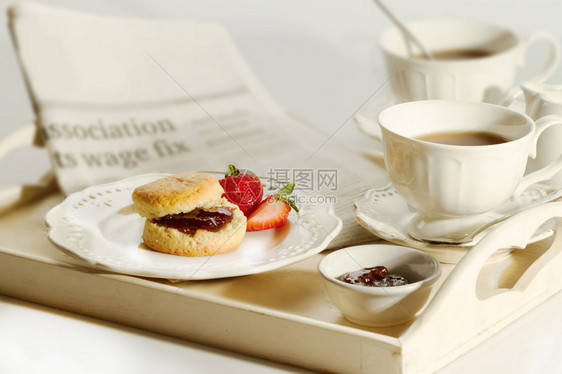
[320, 60]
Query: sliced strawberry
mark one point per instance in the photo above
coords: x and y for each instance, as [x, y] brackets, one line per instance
[270, 213]
[242, 188]
[273, 211]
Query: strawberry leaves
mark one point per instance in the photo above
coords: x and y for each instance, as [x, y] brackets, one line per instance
[283, 195]
[232, 170]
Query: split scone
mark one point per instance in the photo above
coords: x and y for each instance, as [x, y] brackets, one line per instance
[186, 215]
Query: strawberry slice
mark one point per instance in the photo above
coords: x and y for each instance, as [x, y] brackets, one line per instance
[272, 212]
[242, 188]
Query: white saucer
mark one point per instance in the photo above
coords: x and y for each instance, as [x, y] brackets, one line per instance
[384, 213]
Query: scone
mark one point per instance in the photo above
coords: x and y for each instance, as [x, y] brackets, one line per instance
[186, 215]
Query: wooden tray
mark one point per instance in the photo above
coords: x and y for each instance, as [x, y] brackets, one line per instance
[285, 315]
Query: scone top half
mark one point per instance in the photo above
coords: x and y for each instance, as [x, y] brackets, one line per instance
[176, 194]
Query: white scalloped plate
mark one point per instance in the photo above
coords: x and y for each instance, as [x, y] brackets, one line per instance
[100, 227]
[384, 213]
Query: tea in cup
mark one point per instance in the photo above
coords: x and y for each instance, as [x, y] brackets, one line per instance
[455, 160]
[472, 60]
[542, 100]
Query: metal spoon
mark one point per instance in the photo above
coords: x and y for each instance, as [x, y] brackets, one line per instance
[548, 198]
[470, 227]
[402, 26]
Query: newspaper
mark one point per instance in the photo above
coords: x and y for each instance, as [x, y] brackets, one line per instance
[120, 97]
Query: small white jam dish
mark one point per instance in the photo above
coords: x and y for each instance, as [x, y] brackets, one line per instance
[380, 306]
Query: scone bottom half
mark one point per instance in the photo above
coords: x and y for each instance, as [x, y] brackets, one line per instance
[186, 216]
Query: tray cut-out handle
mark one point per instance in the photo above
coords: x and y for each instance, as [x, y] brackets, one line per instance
[12, 196]
[458, 317]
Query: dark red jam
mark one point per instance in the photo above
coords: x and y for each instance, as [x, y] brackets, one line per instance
[376, 276]
[213, 219]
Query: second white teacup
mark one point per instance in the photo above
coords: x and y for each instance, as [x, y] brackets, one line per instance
[451, 159]
[478, 60]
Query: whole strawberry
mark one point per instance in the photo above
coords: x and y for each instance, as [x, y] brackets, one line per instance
[242, 188]
[273, 211]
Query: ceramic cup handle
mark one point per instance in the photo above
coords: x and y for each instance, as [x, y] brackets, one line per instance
[552, 64]
[554, 54]
[548, 171]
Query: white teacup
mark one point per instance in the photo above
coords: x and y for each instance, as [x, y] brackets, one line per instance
[487, 78]
[541, 100]
[444, 182]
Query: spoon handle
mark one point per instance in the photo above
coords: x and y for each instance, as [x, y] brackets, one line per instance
[404, 29]
[548, 198]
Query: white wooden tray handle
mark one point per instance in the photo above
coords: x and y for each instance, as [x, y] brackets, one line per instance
[467, 309]
[15, 195]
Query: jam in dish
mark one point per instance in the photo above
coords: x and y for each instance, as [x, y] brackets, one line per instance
[376, 276]
[213, 219]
